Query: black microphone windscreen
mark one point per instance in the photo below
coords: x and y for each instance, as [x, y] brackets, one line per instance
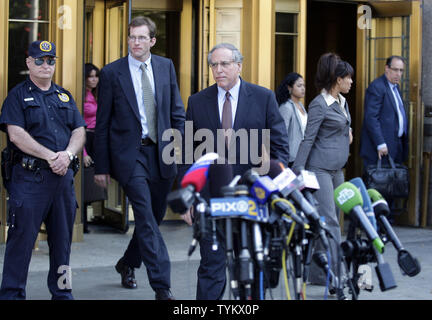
[320, 259]
[219, 175]
[276, 167]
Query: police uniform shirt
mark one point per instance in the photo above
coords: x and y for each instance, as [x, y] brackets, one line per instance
[48, 116]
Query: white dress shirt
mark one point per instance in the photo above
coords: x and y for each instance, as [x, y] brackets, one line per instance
[303, 119]
[234, 92]
[400, 117]
[329, 99]
[136, 74]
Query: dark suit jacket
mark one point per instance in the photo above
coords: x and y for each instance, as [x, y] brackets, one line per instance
[326, 141]
[381, 124]
[257, 108]
[118, 126]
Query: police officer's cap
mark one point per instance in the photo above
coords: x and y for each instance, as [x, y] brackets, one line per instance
[39, 49]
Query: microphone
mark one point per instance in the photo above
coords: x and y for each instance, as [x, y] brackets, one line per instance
[264, 191]
[349, 200]
[245, 263]
[193, 181]
[181, 200]
[406, 261]
[321, 260]
[311, 184]
[229, 191]
[309, 180]
[258, 245]
[219, 175]
[196, 176]
[367, 205]
[379, 204]
[289, 185]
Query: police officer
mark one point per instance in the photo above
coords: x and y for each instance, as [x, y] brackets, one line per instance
[44, 131]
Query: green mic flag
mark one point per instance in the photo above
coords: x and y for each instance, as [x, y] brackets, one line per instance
[347, 196]
[349, 200]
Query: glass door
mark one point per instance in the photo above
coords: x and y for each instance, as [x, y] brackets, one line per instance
[395, 30]
[102, 46]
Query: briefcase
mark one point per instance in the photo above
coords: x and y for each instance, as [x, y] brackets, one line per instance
[392, 180]
[92, 192]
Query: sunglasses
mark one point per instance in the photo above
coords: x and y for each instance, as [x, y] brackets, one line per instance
[40, 61]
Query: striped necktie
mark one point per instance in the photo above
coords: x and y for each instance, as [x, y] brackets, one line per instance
[227, 117]
[149, 105]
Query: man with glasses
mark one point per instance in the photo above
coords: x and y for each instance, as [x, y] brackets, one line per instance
[45, 131]
[385, 124]
[138, 100]
[232, 103]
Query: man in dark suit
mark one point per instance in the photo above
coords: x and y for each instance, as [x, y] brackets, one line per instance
[232, 103]
[138, 100]
[385, 124]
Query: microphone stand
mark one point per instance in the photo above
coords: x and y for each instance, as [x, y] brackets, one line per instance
[199, 225]
[228, 191]
[358, 251]
[246, 266]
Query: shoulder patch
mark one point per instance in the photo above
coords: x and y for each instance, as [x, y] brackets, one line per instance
[63, 97]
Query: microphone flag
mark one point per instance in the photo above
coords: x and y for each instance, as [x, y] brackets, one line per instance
[198, 172]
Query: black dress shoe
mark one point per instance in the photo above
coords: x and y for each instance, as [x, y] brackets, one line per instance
[127, 275]
[164, 294]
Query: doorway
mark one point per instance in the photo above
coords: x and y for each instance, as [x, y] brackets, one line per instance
[331, 27]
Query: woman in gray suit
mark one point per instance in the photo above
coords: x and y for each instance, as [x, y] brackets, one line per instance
[288, 95]
[325, 147]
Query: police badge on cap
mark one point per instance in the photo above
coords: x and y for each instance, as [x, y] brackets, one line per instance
[39, 49]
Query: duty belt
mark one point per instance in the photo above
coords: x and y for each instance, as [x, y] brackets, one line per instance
[31, 163]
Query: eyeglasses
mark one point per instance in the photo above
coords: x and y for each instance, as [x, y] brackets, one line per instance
[223, 64]
[397, 69]
[140, 38]
[40, 61]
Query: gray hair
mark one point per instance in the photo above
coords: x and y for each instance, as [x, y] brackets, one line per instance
[237, 56]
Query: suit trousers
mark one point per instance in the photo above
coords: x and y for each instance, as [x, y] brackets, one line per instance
[211, 272]
[147, 193]
[328, 181]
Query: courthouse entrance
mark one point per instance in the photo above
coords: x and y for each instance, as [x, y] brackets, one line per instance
[275, 37]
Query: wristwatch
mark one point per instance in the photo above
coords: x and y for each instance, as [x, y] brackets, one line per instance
[70, 155]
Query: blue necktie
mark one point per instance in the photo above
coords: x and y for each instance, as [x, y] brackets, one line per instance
[401, 109]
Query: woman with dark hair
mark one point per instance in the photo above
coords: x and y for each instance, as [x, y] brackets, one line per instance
[91, 73]
[325, 147]
[90, 107]
[288, 95]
